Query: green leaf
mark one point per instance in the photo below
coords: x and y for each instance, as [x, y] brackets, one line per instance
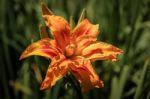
[141, 82]
[82, 16]
[72, 23]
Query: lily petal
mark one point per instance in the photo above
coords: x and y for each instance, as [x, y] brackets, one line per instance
[44, 47]
[60, 29]
[85, 28]
[56, 71]
[83, 42]
[84, 72]
[45, 10]
[101, 51]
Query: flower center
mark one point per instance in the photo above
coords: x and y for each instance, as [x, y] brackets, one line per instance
[70, 50]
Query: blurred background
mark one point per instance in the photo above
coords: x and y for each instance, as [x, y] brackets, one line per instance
[123, 23]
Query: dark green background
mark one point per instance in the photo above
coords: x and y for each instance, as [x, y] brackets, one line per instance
[123, 23]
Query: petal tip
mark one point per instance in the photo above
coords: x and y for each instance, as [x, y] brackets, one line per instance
[20, 58]
[46, 10]
[102, 83]
[23, 56]
[121, 51]
[43, 86]
[99, 84]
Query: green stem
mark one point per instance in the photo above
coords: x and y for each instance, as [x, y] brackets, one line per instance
[76, 86]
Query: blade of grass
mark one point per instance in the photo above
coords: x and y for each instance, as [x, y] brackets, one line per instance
[114, 86]
[82, 16]
[141, 82]
[26, 78]
[122, 81]
[72, 23]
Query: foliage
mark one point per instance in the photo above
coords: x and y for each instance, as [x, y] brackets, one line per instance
[125, 23]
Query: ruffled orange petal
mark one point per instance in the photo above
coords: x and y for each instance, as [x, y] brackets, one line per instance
[85, 28]
[83, 42]
[101, 51]
[60, 29]
[44, 47]
[84, 72]
[56, 70]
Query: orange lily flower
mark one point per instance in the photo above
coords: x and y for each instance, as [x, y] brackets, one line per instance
[71, 51]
